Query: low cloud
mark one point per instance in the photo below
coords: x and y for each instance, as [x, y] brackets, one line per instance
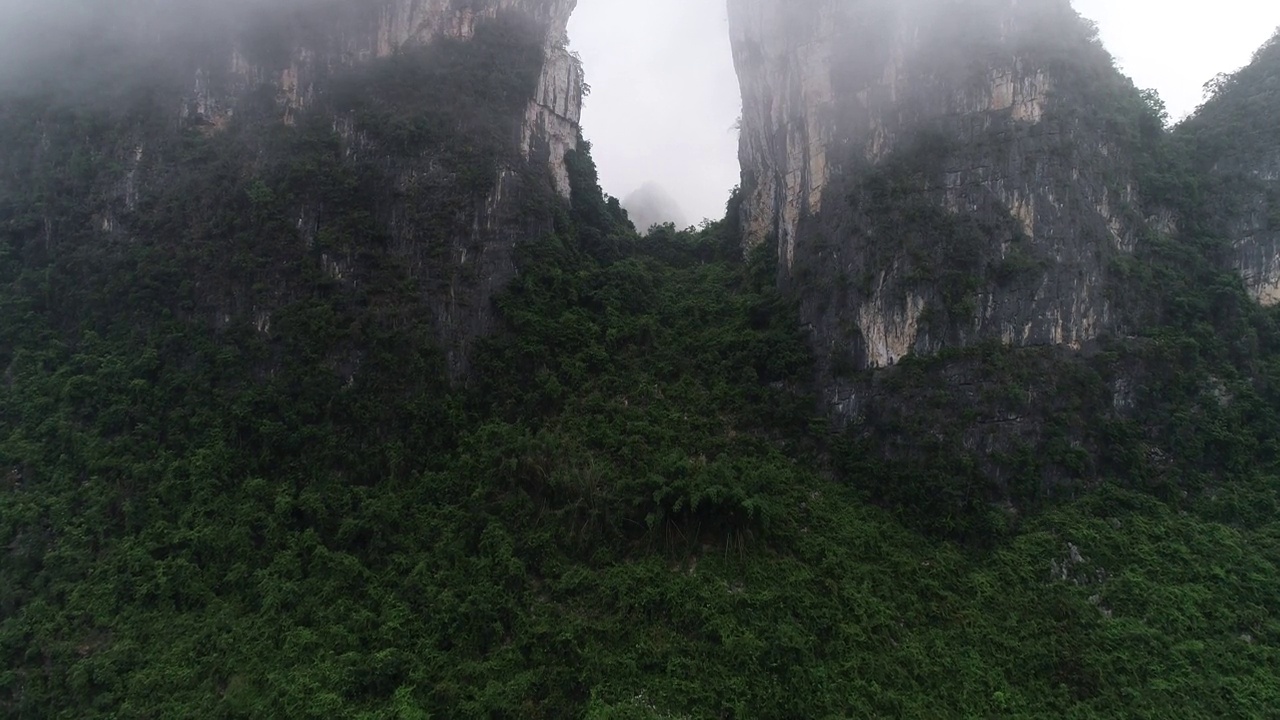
[55, 41]
[652, 205]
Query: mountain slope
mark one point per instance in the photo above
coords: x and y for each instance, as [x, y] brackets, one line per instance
[242, 474]
[626, 519]
[938, 174]
[1233, 141]
[437, 130]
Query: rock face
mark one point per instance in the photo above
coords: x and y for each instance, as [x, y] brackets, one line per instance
[1235, 140]
[302, 62]
[1255, 231]
[934, 174]
[458, 154]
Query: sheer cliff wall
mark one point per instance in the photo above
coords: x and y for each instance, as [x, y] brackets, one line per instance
[1234, 141]
[448, 120]
[935, 174]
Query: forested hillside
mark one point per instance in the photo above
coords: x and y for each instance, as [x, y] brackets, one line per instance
[631, 506]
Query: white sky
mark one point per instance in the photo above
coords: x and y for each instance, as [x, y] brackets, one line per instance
[664, 94]
[664, 98]
[1176, 46]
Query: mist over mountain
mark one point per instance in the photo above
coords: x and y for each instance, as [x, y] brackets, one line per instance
[60, 44]
[335, 386]
[651, 205]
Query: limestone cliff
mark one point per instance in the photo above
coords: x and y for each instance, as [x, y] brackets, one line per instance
[935, 174]
[451, 118]
[303, 58]
[1234, 139]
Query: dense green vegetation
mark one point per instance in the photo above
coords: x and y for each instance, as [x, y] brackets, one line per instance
[628, 511]
[624, 518]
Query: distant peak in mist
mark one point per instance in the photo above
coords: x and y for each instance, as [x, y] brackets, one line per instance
[652, 205]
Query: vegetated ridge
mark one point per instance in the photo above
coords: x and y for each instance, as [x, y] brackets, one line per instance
[243, 472]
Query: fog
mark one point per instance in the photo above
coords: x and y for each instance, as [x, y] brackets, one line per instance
[665, 96]
[36, 25]
[1175, 46]
[35, 28]
[651, 205]
[665, 93]
[47, 41]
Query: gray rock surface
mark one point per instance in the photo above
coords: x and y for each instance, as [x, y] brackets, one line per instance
[934, 174]
[279, 67]
[1235, 140]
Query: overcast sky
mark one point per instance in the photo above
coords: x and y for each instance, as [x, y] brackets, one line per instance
[664, 98]
[664, 94]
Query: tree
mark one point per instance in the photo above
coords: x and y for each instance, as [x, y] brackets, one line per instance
[1156, 106]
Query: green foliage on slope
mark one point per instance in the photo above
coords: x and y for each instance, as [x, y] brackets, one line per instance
[1179, 400]
[625, 517]
[627, 512]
